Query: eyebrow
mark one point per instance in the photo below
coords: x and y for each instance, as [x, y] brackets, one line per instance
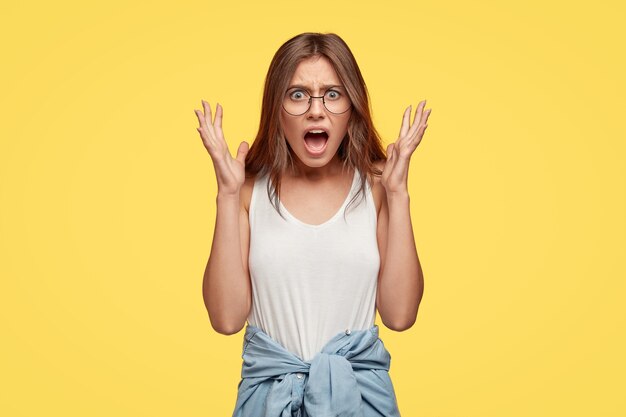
[323, 86]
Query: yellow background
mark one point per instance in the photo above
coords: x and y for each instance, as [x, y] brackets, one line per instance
[107, 199]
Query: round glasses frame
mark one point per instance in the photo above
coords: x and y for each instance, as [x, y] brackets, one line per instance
[309, 106]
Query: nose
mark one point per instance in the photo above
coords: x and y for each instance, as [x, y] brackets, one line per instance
[317, 108]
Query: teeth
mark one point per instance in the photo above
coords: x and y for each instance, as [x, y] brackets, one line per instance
[316, 131]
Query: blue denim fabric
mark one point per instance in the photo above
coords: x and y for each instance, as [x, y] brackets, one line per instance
[349, 377]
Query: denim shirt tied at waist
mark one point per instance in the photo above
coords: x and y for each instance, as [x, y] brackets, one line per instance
[349, 377]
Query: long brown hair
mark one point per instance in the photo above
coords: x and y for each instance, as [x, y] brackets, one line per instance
[270, 153]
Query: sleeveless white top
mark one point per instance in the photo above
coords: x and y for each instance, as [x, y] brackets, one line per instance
[310, 282]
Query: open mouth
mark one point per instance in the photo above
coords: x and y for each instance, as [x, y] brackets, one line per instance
[315, 142]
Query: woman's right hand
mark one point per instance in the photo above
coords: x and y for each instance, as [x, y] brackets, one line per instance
[230, 172]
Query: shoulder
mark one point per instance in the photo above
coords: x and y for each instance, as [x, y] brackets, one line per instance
[378, 191]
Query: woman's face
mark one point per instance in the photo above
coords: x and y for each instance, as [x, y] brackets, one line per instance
[315, 76]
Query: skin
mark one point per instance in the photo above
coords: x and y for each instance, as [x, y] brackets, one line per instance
[226, 285]
[400, 280]
[313, 73]
[315, 175]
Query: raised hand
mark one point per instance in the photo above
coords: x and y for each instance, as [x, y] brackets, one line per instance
[396, 171]
[230, 172]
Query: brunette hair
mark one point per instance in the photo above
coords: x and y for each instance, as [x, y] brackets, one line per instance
[270, 152]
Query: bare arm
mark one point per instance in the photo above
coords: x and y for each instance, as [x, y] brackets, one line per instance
[226, 286]
[226, 283]
[400, 281]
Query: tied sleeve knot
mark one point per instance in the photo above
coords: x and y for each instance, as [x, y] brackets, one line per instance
[276, 383]
[330, 370]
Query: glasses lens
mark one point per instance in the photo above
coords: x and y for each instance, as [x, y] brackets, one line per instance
[297, 101]
[336, 102]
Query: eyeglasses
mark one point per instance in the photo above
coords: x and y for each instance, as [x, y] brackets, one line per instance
[298, 101]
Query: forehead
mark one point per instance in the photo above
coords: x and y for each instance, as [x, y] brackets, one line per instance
[315, 72]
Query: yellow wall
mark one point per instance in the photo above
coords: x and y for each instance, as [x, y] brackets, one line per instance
[107, 199]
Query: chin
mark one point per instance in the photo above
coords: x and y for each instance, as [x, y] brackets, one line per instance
[312, 161]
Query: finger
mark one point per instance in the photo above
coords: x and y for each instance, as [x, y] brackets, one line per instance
[416, 120]
[217, 123]
[206, 138]
[200, 116]
[215, 151]
[420, 133]
[391, 152]
[208, 115]
[242, 151]
[218, 116]
[389, 162]
[208, 118]
[419, 113]
[423, 122]
[204, 130]
[404, 127]
[422, 128]
[425, 116]
[203, 136]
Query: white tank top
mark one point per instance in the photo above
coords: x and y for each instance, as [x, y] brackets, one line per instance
[310, 282]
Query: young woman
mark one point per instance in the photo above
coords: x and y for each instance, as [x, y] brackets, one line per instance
[313, 235]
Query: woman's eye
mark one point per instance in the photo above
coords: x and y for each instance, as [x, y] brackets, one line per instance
[332, 94]
[297, 95]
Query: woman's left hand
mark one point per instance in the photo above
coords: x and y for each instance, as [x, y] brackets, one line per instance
[396, 170]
